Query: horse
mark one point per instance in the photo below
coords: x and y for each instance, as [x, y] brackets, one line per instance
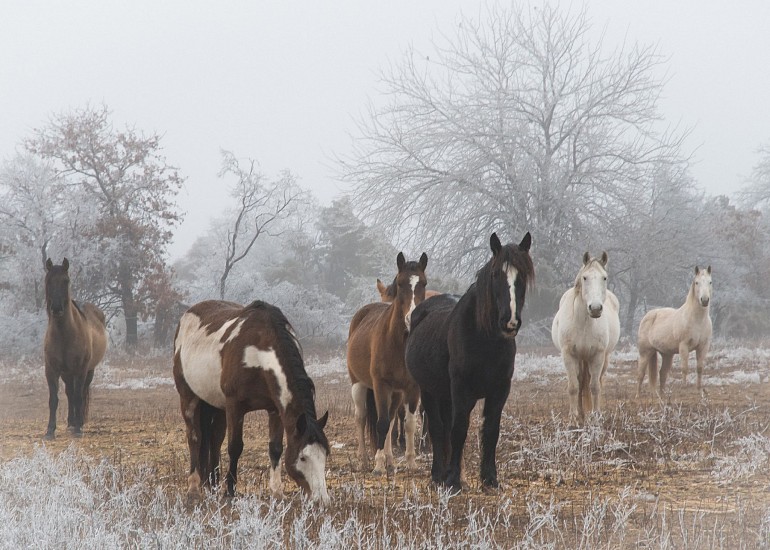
[463, 349]
[669, 331]
[231, 359]
[586, 330]
[388, 293]
[75, 342]
[375, 360]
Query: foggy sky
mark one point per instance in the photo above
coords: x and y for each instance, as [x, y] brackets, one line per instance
[283, 82]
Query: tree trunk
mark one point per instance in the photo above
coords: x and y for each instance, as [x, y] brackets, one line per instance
[633, 301]
[129, 305]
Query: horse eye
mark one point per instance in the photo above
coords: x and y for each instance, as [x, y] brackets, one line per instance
[605, 278]
[302, 459]
[585, 278]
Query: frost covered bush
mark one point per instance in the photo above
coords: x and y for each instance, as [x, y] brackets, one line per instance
[752, 456]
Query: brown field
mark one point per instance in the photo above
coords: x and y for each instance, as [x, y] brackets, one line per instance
[664, 457]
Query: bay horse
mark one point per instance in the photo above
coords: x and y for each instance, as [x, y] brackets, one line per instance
[586, 330]
[231, 359]
[669, 331]
[375, 360]
[75, 342]
[462, 350]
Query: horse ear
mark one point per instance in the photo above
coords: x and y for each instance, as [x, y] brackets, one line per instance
[301, 424]
[400, 261]
[48, 264]
[526, 242]
[381, 288]
[708, 270]
[65, 264]
[494, 244]
[322, 421]
[423, 261]
[604, 259]
[697, 270]
[586, 258]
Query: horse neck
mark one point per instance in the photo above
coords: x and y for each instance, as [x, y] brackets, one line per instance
[396, 317]
[692, 305]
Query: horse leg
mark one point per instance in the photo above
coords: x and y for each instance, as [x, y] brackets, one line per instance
[684, 358]
[595, 370]
[382, 398]
[667, 359]
[234, 443]
[275, 450]
[410, 427]
[69, 391]
[53, 402]
[490, 433]
[462, 405]
[573, 388]
[700, 357]
[437, 435]
[78, 387]
[358, 392]
[585, 377]
[395, 405]
[216, 437]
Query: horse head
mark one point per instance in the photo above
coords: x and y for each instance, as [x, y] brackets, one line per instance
[57, 287]
[409, 285]
[502, 284]
[591, 282]
[306, 454]
[701, 285]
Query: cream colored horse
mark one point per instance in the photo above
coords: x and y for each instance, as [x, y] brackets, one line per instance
[669, 331]
[586, 330]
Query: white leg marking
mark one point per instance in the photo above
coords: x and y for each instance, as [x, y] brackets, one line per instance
[276, 484]
[410, 427]
[358, 391]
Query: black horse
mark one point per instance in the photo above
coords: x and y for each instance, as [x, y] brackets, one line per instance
[462, 350]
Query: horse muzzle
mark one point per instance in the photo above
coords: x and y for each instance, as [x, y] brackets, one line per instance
[595, 311]
[705, 301]
[511, 328]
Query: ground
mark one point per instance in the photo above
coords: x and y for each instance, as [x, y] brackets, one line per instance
[688, 455]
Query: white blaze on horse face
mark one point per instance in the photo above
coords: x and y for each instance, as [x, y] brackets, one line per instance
[594, 289]
[413, 280]
[511, 273]
[311, 462]
[256, 358]
[201, 358]
[703, 287]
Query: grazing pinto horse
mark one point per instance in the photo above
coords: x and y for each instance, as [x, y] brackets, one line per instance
[586, 330]
[231, 359]
[378, 375]
[75, 342]
[463, 351]
[669, 331]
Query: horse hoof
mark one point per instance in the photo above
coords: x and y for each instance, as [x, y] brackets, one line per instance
[490, 487]
[49, 436]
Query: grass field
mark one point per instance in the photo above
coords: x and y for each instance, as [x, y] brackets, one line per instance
[691, 472]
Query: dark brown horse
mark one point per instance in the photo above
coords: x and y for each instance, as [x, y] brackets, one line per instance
[75, 342]
[229, 360]
[375, 359]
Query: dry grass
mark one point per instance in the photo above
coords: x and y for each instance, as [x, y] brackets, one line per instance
[691, 473]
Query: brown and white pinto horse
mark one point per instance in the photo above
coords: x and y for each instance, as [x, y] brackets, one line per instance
[75, 342]
[375, 359]
[231, 359]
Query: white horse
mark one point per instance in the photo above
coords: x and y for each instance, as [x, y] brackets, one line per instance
[669, 331]
[586, 330]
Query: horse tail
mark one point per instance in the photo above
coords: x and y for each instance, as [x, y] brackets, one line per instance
[371, 417]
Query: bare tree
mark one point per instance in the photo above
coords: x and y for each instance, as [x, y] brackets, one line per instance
[131, 188]
[261, 203]
[518, 121]
[757, 191]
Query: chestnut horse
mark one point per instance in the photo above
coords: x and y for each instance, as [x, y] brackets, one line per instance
[231, 359]
[75, 342]
[463, 351]
[586, 329]
[375, 359]
[669, 331]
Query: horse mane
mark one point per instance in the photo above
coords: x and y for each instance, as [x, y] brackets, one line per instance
[289, 350]
[486, 309]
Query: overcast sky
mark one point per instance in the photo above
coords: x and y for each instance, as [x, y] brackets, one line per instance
[283, 81]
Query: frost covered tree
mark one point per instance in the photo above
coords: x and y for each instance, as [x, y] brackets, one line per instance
[261, 204]
[125, 180]
[519, 121]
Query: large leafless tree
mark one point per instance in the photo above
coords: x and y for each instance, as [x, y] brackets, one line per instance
[519, 121]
